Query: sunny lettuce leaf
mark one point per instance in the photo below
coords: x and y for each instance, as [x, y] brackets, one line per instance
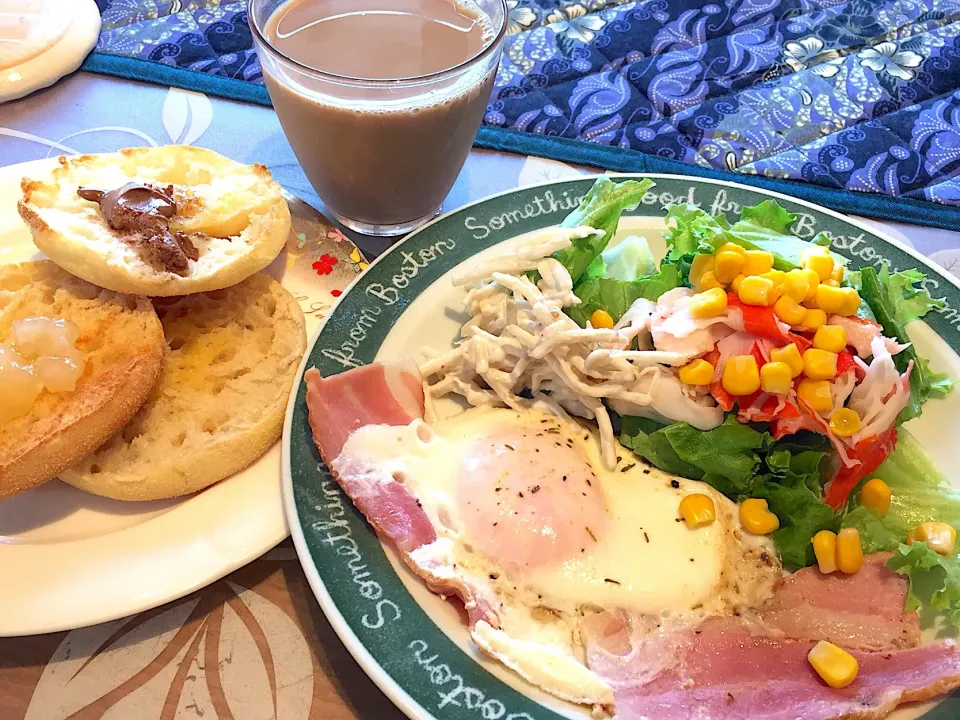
[920, 492]
[601, 209]
[875, 536]
[894, 301]
[934, 579]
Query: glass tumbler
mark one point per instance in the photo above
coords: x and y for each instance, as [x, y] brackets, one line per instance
[381, 154]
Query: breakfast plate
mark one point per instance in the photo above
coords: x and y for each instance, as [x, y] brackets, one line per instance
[413, 644]
[71, 559]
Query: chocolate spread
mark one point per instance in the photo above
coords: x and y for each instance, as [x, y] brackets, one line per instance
[141, 214]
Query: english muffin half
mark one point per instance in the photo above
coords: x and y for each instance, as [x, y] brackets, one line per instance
[116, 348]
[163, 221]
[220, 402]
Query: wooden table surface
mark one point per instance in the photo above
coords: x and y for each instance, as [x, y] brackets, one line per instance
[252, 645]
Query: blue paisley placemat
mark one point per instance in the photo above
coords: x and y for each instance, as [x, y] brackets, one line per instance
[857, 103]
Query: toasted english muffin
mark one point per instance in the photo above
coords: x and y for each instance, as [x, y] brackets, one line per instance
[220, 401]
[234, 216]
[121, 341]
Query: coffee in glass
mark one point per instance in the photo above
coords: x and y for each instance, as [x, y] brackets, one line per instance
[380, 99]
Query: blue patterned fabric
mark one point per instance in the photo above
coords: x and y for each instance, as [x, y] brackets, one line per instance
[207, 36]
[861, 95]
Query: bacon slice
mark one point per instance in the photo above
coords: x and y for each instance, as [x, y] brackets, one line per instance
[731, 675]
[377, 394]
[865, 615]
[383, 394]
[755, 666]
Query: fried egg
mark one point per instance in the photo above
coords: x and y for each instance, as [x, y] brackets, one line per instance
[527, 516]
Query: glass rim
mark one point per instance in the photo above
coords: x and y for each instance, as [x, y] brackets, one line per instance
[412, 80]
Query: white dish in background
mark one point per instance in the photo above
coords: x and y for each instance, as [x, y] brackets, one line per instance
[71, 29]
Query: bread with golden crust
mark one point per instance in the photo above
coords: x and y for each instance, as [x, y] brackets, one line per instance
[235, 215]
[220, 402]
[123, 346]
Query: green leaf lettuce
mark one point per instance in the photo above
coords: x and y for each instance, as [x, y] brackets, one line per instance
[616, 296]
[692, 231]
[742, 461]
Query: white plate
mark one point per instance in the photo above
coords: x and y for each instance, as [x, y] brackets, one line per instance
[69, 559]
[412, 643]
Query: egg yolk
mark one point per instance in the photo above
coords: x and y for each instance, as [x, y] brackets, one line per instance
[529, 498]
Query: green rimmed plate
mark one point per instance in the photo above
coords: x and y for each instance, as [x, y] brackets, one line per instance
[411, 643]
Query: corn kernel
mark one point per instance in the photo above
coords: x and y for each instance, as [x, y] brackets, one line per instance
[777, 276]
[796, 285]
[939, 537]
[733, 247]
[741, 376]
[737, 282]
[819, 260]
[601, 319]
[819, 364]
[849, 551]
[776, 293]
[837, 273]
[699, 265]
[790, 355]
[831, 282]
[788, 310]
[825, 548]
[698, 510]
[776, 377]
[813, 320]
[875, 496]
[830, 299]
[845, 422]
[709, 303]
[814, 249]
[707, 281]
[756, 290]
[758, 262]
[756, 517]
[816, 394]
[697, 372]
[830, 337]
[813, 281]
[834, 665]
[851, 301]
[728, 265]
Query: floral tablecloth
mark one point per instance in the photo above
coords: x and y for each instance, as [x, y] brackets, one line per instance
[861, 95]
